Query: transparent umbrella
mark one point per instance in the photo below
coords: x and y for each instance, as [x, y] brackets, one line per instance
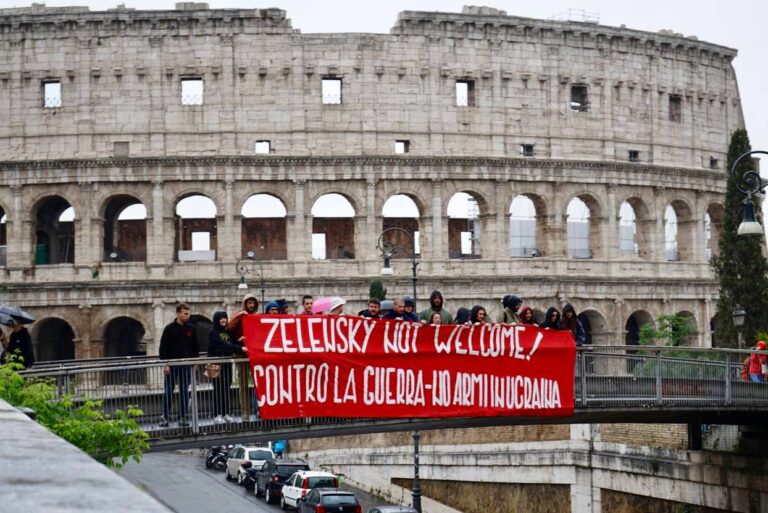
[18, 314]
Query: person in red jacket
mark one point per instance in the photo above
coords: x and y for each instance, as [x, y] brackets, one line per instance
[757, 364]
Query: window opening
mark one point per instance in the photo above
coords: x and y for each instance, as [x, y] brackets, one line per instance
[579, 100]
[331, 91]
[465, 93]
[52, 94]
[191, 91]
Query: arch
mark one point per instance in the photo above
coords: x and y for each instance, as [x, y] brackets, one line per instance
[463, 226]
[124, 336]
[54, 231]
[196, 229]
[333, 227]
[263, 227]
[634, 324]
[678, 231]
[713, 224]
[596, 327]
[643, 227]
[690, 339]
[582, 226]
[202, 326]
[3, 236]
[402, 211]
[125, 229]
[53, 339]
[527, 225]
[628, 230]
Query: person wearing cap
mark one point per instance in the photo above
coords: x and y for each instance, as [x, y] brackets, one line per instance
[282, 306]
[272, 308]
[410, 306]
[758, 364]
[337, 306]
[19, 344]
[435, 306]
[511, 304]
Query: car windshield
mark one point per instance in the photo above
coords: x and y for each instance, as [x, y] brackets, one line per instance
[322, 482]
[259, 455]
[339, 500]
[285, 471]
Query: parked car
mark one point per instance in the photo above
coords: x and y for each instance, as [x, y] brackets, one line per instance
[329, 500]
[268, 480]
[302, 482]
[392, 509]
[256, 455]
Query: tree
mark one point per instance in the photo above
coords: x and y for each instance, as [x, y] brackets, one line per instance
[672, 330]
[377, 290]
[740, 267]
[111, 439]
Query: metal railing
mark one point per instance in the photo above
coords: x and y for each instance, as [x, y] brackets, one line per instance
[617, 377]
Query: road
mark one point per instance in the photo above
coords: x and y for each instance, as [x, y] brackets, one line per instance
[181, 482]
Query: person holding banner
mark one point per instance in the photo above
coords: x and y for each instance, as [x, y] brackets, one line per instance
[235, 324]
[511, 305]
[435, 306]
[306, 304]
[526, 315]
[551, 319]
[462, 316]
[571, 322]
[477, 315]
[220, 344]
[337, 306]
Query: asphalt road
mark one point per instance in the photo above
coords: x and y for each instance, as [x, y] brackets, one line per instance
[184, 485]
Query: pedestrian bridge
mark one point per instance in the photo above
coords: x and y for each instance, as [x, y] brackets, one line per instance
[627, 384]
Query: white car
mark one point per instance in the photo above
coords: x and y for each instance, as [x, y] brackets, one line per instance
[302, 482]
[256, 455]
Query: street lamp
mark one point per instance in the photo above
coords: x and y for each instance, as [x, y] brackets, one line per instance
[243, 267]
[389, 248]
[748, 183]
[738, 321]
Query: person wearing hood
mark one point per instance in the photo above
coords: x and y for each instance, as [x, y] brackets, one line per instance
[511, 305]
[478, 315]
[18, 345]
[758, 364]
[526, 315]
[272, 308]
[571, 322]
[235, 324]
[551, 319]
[462, 316]
[435, 306]
[221, 345]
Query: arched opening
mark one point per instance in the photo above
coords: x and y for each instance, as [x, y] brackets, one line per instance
[713, 222]
[202, 326]
[714, 322]
[333, 228]
[3, 237]
[55, 232]
[400, 211]
[670, 235]
[463, 226]
[627, 230]
[263, 228]
[53, 339]
[523, 240]
[580, 232]
[124, 336]
[692, 328]
[632, 328]
[195, 239]
[125, 230]
[678, 232]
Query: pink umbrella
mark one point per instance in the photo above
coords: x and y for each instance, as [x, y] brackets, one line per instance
[321, 304]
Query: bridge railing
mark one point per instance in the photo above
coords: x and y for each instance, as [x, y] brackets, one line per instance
[615, 376]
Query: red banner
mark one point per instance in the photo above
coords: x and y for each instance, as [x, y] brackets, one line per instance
[331, 366]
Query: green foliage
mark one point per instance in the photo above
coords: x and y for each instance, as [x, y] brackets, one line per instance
[111, 439]
[377, 290]
[740, 267]
[671, 331]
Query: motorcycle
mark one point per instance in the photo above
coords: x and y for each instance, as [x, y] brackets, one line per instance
[216, 458]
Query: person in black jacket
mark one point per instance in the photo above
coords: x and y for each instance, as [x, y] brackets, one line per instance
[220, 344]
[178, 342]
[19, 346]
[570, 322]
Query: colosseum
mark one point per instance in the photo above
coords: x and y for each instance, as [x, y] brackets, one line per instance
[145, 153]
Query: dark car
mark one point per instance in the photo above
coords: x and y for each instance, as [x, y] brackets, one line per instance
[268, 479]
[329, 500]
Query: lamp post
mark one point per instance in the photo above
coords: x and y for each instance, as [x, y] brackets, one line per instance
[389, 248]
[243, 267]
[748, 183]
[738, 322]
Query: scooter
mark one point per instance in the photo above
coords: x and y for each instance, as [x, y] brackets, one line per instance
[216, 458]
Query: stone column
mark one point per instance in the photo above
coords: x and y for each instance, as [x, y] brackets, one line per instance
[582, 487]
[19, 233]
[228, 245]
[155, 246]
[557, 232]
[85, 252]
[83, 345]
[365, 230]
[299, 227]
[611, 226]
[158, 324]
[658, 236]
[437, 249]
[495, 242]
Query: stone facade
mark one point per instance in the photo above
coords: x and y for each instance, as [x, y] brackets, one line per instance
[92, 117]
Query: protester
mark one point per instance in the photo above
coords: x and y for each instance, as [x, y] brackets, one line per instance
[374, 309]
[510, 304]
[758, 364]
[462, 316]
[220, 344]
[282, 306]
[235, 324]
[337, 306]
[571, 322]
[306, 304]
[436, 318]
[178, 342]
[477, 315]
[272, 308]
[410, 306]
[551, 319]
[526, 315]
[435, 306]
[19, 345]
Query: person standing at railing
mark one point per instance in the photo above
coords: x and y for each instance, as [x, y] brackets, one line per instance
[758, 364]
[221, 344]
[178, 342]
[235, 328]
[19, 345]
[571, 322]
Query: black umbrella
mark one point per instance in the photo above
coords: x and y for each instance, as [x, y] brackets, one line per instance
[18, 314]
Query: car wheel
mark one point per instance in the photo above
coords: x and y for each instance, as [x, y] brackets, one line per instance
[226, 474]
[239, 478]
[283, 505]
[268, 498]
[256, 490]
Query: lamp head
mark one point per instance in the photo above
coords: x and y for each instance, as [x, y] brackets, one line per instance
[242, 285]
[739, 314]
[386, 270]
[250, 254]
[749, 224]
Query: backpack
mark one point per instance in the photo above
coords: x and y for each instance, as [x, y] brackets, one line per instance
[744, 374]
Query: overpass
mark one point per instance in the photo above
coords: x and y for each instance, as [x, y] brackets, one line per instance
[614, 384]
